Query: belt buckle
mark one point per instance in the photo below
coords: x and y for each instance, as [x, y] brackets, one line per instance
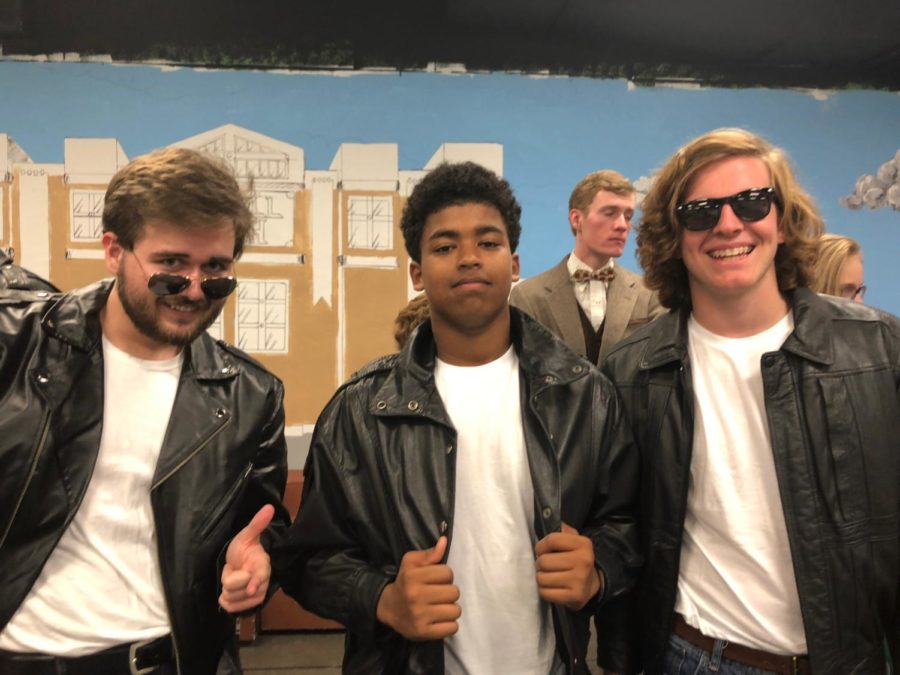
[132, 658]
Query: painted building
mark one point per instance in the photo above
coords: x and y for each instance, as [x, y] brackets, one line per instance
[321, 280]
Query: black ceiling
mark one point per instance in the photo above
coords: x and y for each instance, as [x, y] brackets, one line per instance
[808, 43]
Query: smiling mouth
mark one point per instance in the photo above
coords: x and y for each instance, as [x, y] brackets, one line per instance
[726, 253]
[185, 309]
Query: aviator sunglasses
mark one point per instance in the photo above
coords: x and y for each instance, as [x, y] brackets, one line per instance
[750, 205]
[162, 284]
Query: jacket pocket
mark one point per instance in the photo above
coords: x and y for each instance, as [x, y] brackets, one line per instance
[225, 505]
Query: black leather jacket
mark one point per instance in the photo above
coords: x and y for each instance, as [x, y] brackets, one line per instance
[223, 457]
[19, 278]
[831, 397]
[379, 481]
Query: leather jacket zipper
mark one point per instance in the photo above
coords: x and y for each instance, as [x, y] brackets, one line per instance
[37, 455]
[168, 590]
[190, 456]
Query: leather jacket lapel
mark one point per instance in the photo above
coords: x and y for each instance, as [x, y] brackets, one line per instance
[196, 414]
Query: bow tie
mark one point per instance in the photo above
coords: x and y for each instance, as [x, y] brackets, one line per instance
[603, 274]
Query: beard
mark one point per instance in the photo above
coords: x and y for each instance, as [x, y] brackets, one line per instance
[142, 308]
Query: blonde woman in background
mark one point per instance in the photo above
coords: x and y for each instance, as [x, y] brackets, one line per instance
[839, 268]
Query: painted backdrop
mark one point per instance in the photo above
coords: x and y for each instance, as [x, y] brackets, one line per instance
[542, 133]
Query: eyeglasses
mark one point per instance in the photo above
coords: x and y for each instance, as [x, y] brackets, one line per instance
[750, 205]
[162, 284]
[853, 292]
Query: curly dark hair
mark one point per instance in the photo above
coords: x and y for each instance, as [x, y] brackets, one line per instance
[454, 185]
[659, 233]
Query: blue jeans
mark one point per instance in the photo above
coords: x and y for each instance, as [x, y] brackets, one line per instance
[683, 658]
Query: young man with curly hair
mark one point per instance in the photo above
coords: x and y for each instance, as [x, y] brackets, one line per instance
[468, 502]
[766, 417]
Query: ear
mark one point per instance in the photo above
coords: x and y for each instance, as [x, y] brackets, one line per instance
[515, 267]
[112, 251]
[415, 275]
[575, 218]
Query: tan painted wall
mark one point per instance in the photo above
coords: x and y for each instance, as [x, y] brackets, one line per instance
[68, 273]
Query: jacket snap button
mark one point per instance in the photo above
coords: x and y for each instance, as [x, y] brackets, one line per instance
[549, 379]
[413, 405]
[577, 369]
[547, 512]
[449, 449]
[227, 370]
[221, 412]
[381, 405]
[43, 379]
[43, 294]
[443, 526]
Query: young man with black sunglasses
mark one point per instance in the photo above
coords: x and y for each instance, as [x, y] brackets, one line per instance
[766, 417]
[139, 454]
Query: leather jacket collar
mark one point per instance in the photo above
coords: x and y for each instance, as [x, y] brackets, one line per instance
[810, 339]
[75, 319]
[411, 389]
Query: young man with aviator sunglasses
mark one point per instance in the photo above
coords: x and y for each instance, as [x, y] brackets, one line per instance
[766, 416]
[139, 454]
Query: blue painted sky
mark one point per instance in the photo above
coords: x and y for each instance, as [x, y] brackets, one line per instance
[554, 130]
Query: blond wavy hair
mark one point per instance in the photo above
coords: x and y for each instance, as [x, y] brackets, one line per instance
[659, 233]
[834, 250]
[185, 187]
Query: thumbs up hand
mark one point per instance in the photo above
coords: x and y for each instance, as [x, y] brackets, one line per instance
[245, 577]
[566, 574]
[421, 603]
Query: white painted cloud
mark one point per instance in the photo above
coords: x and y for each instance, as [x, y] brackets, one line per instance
[642, 187]
[880, 190]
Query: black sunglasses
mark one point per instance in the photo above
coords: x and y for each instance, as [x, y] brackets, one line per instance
[750, 205]
[214, 288]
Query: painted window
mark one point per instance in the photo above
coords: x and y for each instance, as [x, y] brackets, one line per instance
[370, 222]
[274, 219]
[262, 315]
[87, 214]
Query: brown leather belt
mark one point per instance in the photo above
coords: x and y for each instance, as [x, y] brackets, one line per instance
[776, 663]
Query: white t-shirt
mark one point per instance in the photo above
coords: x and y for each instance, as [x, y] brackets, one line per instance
[736, 581]
[504, 627]
[591, 295]
[101, 585]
